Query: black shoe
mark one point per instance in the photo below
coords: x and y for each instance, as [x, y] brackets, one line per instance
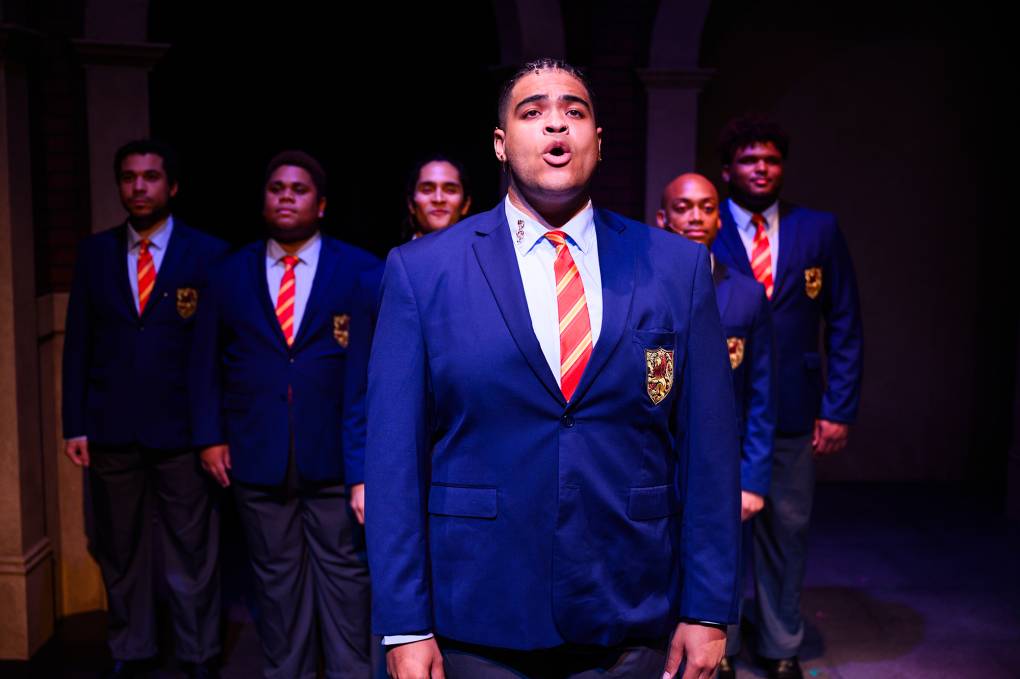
[785, 668]
[726, 670]
[124, 669]
[203, 670]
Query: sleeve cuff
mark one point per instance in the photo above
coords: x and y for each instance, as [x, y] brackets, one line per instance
[397, 639]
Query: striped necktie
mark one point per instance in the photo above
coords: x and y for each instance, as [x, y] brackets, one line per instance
[285, 299]
[575, 325]
[146, 274]
[761, 256]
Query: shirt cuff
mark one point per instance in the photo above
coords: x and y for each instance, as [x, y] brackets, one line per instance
[395, 639]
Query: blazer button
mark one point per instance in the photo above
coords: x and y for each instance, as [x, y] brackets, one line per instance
[567, 421]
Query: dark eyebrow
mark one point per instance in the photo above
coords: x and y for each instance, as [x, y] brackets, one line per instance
[576, 99]
[530, 100]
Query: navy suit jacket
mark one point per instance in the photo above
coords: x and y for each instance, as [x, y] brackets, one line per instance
[125, 376]
[747, 323]
[814, 281]
[499, 514]
[259, 396]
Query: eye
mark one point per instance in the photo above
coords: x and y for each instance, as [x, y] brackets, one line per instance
[151, 176]
[451, 188]
[531, 113]
[575, 113]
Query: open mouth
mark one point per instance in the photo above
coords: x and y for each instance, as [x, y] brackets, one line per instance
[557, 154]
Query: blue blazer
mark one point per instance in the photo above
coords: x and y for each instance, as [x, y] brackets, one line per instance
[747, 324]
[125, 376]
[814, 282]
[499, 514]
[259, 396]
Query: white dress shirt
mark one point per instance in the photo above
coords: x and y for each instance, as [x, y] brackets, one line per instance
[158, 240]
[304, 273]
[747, 229]
[536, 256]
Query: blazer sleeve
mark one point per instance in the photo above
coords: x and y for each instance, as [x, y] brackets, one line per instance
[761, 391]
[205, 372]
[709, 463]
[77, 349]
[396, 461]
[844, 336]
[363, 315]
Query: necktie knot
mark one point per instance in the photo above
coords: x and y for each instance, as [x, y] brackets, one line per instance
[290, 261]
[557, 238]
[759, 223]
[143, 246]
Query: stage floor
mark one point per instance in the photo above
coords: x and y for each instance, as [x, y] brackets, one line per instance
[903, 581]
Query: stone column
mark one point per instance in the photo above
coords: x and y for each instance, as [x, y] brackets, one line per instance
[117, 104]
[26, 556]
[672, 128]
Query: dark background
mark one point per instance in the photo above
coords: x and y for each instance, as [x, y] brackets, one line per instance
[897, 112]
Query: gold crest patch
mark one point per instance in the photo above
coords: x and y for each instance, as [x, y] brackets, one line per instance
[187, 302]
[342, 329]
[813, 281]
[658, 373]
[735, 345]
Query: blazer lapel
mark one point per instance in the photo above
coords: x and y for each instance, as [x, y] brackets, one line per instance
[261, 286]
[498, 262]
[616, 266]
[788, 225]
[729, 241]
[722, 289]
[121, 275]
[328, 258]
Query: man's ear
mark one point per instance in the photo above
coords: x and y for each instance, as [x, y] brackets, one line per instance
[465, 207]
[660, 218]
[499, 144]
[322, 207]
[726, 173]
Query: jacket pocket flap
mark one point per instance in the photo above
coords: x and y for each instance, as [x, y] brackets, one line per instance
[651, 503]
[463, 501]
[655, 338]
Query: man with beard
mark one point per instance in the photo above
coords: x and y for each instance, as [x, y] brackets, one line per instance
[273, 377]
[690, 208]
[130, 327]
[801, 258]
[551, 466]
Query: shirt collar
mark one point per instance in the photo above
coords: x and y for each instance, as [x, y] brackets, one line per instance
[309, 251]
[580, 229]
[743, 217]
[157, 239]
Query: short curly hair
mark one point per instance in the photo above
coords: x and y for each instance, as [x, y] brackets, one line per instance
[303, 160]
[545, 63]
[748, 129]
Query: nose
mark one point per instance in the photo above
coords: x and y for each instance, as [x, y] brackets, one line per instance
[696, 216]
[761, 167]
[138, 185]
[556, 123]
[437, 196]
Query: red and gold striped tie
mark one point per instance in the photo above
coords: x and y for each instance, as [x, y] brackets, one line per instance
[146, 274]
[285, 299]
[761, 257]
[575, 326]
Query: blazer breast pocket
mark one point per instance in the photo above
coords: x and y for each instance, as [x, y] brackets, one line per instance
[658, 357]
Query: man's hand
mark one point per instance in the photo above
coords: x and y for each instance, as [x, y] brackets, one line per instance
[216, 461]
[700, 645]
[829, 437]
[750, 504]
[416, 660]
[78, 450]
[358, 502]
